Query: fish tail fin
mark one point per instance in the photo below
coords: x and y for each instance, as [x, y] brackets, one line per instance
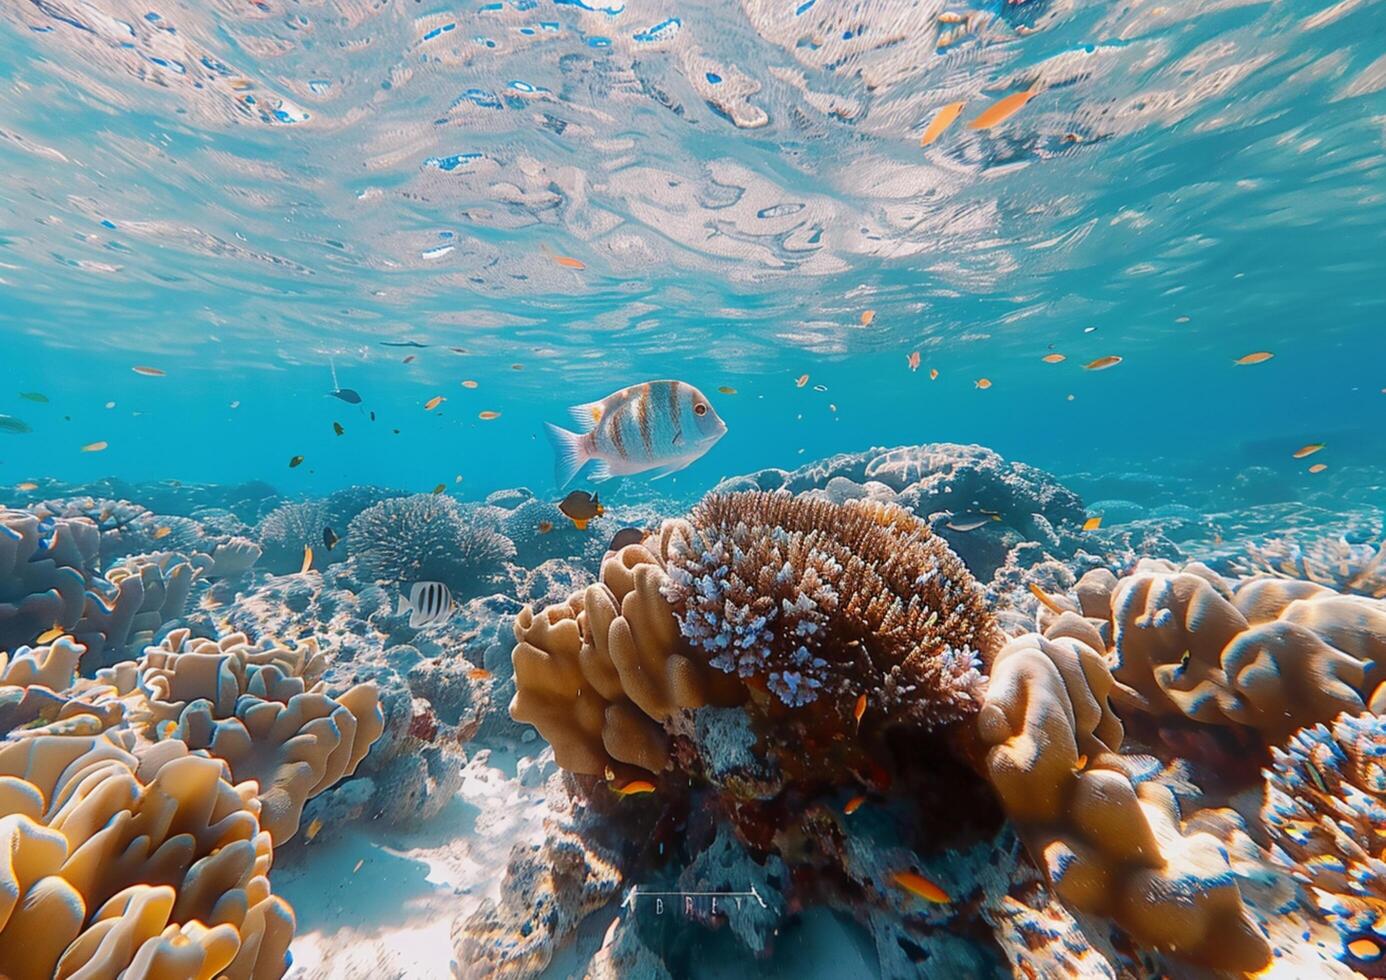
[403, 606]
[569, 453]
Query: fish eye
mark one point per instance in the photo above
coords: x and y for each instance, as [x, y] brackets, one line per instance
[700, 409]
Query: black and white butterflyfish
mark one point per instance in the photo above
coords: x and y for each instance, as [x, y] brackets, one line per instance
[428, 604]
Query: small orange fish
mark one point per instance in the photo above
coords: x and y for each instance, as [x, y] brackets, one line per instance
[1257, 357]
[634, 788]
[854, 804]
[1092, 523]
[1003, 108]
[1318, 467]
[433, 403]
[867, 316]
[307, 558]
[488, 415]
[726, 389]
[314, 829]
[49, 635]
[94, 447]
[941, 121]
[933, 374]
[148, 372]
[860, 708]
[983, 383]
[920, 887]
[1308, 450]
[26, 487]
[479, 674]
[1102, 363]
[1081, 763]
[469, 383]
[913, 360]
[545, 527]
[163, 532]
[1044, 598]
[803, 380]
[568, 262]
[1053, 358]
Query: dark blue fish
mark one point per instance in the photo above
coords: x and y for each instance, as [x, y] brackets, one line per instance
[347, 395]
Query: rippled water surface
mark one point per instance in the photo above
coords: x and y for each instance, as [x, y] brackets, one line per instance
[558, 197]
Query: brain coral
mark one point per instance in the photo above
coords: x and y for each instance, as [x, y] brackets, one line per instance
[816, 600]
[426, 537]
[132, 864]
[1325, 808]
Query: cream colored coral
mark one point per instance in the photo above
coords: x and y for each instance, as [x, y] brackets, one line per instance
[151, 863]
[1111, 846]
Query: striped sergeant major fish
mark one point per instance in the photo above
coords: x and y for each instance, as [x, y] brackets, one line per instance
[429, 603]
[658, 425]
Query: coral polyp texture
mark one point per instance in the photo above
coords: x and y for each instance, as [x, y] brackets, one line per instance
[427, 537]
[817, 600]
[1325, 810]
[144, 863]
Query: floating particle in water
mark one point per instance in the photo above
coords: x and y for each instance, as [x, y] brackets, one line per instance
[1256, 357]
[941, 121]
[1181, 319]
[110, 404]
[295, 461]
[1102, 363]
[1089, 330]
[8, 423]
[235, 404]
[95, 447]
[148, 372]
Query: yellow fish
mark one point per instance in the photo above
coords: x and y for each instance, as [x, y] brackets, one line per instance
[1102, 363]
[433, 403]
[1044, 598]
[920, 887]
[635, 788]
[94, 447]
[983, 383]
[307, 558]
[487, 415]
[1257, 357]
[1053, 358]
[163, 532]
[1092, 523]
[1002, 109]
[941, 121]
[726, 389]
[314, 829]
[1308, 450]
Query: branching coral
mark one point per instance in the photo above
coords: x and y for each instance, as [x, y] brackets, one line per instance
[1111, 842]
[1341, 565]
[262, 710]
[128, 864]
[814, 599]
[426, 537]
[1325, 808]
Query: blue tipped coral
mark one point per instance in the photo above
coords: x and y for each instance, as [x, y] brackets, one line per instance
[813, 599]
[1325, 810]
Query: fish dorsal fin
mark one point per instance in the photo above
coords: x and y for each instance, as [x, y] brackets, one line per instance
[588, 415]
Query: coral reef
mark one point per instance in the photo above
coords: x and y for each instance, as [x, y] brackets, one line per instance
[136, 864]
[1353, 568]
[288, 529]
[427, 537]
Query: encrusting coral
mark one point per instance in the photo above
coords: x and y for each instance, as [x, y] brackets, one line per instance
[146, 863]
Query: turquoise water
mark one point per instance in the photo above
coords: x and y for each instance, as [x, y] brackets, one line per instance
[244, 195]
